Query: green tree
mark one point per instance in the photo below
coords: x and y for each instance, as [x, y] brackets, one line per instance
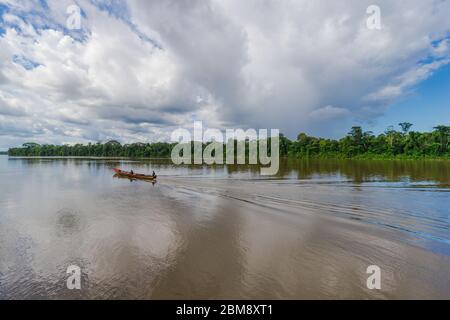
[356, 134]
[30, 145]
[406, 126]
[443, 134]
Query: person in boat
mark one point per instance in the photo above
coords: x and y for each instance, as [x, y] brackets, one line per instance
[131, 172]
[154, 174]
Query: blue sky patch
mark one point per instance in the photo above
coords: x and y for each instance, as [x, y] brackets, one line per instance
[3, 10]
[119, 10]
[116, 8]
[28, 64]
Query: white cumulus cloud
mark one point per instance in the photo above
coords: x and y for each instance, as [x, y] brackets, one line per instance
[139, 69]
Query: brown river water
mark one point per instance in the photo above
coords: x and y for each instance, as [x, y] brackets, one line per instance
[224, 232]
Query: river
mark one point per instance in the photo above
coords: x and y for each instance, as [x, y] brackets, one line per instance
[224, 232]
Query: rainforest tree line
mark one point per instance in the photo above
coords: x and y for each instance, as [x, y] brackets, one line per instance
[391, 143]
[403, 142]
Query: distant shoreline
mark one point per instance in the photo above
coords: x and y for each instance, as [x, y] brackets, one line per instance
[86, 158]
[357, 144]
[323, 157]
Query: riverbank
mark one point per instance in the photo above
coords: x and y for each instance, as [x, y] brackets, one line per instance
[289, 157]
[372, 156]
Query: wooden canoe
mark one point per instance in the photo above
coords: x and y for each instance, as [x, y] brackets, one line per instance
[127, 174]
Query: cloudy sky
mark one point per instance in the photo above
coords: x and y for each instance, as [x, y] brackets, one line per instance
[136, 70]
